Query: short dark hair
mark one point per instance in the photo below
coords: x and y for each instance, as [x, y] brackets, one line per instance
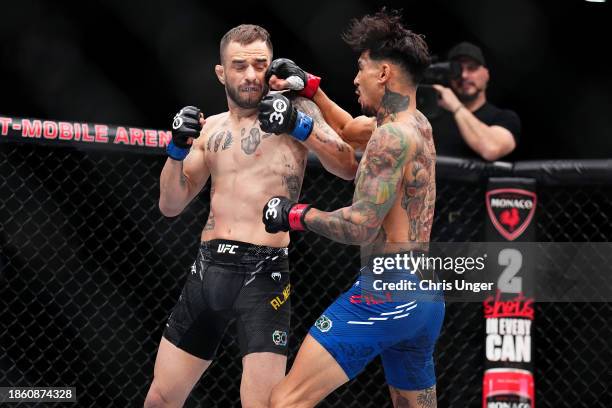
[386, 38]
[245, 34]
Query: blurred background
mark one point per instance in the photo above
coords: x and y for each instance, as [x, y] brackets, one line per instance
[136, 62]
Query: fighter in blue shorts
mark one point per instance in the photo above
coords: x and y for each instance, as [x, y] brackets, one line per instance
[391, 213]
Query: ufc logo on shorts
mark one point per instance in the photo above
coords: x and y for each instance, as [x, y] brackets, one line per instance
[227, 249]
[279, 107]
[271, 211]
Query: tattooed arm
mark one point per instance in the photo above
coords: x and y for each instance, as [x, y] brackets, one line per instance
[378, 183]
[181, 181]
[335, 154]
[354, 131]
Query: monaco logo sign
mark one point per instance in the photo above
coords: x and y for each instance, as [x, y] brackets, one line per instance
[511, 210]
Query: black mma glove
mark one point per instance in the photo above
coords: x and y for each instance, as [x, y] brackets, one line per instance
[278, 115]
[282, 214]
[186, 124]
[299, 80]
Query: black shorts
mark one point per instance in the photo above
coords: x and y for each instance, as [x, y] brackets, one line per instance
[233, 280]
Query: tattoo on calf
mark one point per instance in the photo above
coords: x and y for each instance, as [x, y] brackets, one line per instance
[251, 142]
[399, 401]
[427, 398]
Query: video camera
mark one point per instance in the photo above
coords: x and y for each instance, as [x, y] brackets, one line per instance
[439, 73]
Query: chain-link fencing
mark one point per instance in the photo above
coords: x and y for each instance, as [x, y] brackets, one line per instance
[90, 269]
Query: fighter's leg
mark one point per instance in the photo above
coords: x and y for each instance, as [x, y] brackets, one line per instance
[191, 336]
[409, 364]
[175, 374]
[314, 375]
[260, 373]
[264, 316]
[420, 399]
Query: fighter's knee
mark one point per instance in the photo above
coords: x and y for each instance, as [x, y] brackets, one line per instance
[253, 402]
[276, 398]
[281, 397]
[156, 399]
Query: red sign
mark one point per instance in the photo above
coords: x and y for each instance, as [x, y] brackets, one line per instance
[511, 210]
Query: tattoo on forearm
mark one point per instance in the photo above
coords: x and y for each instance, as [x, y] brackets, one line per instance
[323, 132]
[392, 103]
[251, 142]
[346, 225]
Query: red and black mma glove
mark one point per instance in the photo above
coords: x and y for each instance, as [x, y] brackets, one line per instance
[282, 214]
[278, 115]
[186, 124]
[299, 80]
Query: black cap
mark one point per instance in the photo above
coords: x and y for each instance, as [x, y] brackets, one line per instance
[466, 49]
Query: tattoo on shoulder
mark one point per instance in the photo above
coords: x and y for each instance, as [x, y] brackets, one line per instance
[250, 142]
[392, 103]
[378, 180]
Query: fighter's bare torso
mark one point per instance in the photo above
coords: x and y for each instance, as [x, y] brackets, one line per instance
[408, 223]
[247, 166]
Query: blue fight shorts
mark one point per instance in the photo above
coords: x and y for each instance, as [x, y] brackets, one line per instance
[362, 324]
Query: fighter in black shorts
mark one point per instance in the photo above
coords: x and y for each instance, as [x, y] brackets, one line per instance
[233, 280]
[241, 271]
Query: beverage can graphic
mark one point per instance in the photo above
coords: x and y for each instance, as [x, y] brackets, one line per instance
[508, 388]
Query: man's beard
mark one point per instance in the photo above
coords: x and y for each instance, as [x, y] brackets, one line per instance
[245, 103]
[468, 97]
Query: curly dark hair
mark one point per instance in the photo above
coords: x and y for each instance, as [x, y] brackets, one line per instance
[384, 35]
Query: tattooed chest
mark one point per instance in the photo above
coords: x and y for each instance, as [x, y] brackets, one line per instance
[247, 139]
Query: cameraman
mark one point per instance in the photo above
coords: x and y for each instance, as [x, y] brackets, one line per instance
[472, 127]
